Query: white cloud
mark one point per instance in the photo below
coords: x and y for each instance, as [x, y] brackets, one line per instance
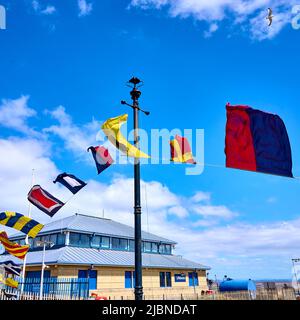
[212, 29]
[85, 8]
[49, 10]
[46, 10]
[76, 138]
[15, 113]
[250, 15]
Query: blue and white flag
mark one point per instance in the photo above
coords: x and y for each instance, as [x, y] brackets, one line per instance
[71, 182]
[11, 267]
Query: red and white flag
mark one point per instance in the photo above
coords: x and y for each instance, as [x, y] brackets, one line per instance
[44, 200]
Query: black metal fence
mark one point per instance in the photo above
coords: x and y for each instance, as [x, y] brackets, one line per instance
[68, 287]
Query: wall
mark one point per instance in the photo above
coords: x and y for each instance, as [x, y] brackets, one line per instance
[111, 281]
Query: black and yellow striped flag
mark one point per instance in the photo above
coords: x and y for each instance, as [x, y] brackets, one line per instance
[19, 222]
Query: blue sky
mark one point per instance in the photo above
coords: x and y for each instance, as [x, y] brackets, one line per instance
[63, 71]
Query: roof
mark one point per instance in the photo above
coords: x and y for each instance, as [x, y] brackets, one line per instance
[91, 224]
[87, 256]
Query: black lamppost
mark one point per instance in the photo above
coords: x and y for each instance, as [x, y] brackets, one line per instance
[135, 94]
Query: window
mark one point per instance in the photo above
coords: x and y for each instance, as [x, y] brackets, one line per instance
[168, 249]
[193, 279]
[80, 240]
[168, 279]
[36, 241]
[165, 279]
[162, 248]
[129, 279]
[84, 240]
[119, 244]
[60, 239]
[165, 249]
[154, 247]
[95, 243]
[104, 242]
[162, 279]
[53, 238]
[131, 245]
[74, 238]
[147, 246]
[21, 242]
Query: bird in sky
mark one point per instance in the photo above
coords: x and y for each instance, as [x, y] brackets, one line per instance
[270, 16]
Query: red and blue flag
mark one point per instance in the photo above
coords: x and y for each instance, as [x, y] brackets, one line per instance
[257, 141]
[102, 158]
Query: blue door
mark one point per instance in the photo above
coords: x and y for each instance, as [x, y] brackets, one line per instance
[92, 279]
[91, 275]
[193, 279]
[33, 281]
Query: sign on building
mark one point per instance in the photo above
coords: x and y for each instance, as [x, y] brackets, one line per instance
[180, 277]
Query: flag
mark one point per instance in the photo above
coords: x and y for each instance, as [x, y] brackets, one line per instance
[44, 200]
[257, 141]
[11, 283]
[112, 129]
[102, 158]
[70, 181]
[13, 248]
[181, 150]
[11, 267]
[21, 223]
[10, 295]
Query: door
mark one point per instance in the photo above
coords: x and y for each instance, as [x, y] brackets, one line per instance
[33, 281]
[92, 274]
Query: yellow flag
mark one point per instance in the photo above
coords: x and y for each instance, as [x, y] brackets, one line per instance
[11, 283]
[112, 129]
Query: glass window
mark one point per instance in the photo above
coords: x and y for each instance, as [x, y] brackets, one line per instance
[162, 248]
[74, 238]
[162, 279]
[168, 279]
[123, 244]
[168, 249]
[154, 248]
[36, 241]
[165, 279]
[95, 243]
[119, 244]
[61, 239]
[84, 240]
[147, 246]
[105, 242]
[131, 245]
[22, 242]
[53, 238]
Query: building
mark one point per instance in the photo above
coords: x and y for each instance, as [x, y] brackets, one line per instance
[102, 250]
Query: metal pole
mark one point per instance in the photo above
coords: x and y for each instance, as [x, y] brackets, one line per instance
[135, 94]
[26, 239]
[295, 273]
[42, 274]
